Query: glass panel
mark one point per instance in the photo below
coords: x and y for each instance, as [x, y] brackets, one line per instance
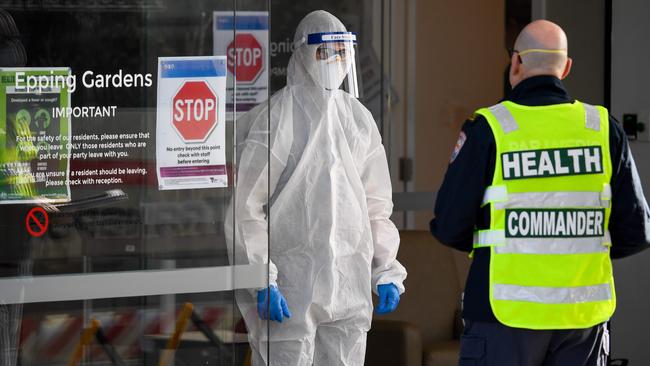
[118, 141]
[328, 176]
[248, 61]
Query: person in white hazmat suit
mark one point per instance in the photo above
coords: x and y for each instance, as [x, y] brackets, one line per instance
[331, 239]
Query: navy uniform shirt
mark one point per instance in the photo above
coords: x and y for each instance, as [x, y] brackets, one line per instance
[458, 213]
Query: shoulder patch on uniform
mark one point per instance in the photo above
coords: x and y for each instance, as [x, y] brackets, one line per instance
[459, 145]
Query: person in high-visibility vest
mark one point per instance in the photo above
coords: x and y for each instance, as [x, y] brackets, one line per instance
[543, 191]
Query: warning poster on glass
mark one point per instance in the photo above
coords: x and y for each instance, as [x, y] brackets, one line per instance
[245, 42]
[34, 137]
[190, 123]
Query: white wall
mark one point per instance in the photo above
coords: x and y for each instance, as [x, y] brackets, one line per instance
[631, 94]
[461, 57]
[584, 23]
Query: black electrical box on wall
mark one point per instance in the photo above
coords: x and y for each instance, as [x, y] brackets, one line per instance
[630, 125]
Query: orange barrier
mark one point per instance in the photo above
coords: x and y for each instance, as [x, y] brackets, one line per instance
[86, 338]
[181, 323]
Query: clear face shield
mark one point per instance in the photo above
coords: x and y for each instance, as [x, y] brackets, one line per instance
[336, 62]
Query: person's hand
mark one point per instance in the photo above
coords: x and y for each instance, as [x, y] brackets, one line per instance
[388, 298]
[277, 306]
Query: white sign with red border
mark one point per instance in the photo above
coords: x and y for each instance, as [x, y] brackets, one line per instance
[191, 122]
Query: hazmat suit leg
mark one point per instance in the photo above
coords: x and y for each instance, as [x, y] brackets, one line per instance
[290, 353]
[334, 345]
[339, 344]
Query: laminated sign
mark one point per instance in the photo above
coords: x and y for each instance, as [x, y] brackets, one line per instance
[244, 40]
[190, 123]
[34, 135]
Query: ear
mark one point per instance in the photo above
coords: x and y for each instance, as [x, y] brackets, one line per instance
[567, 68]
[515, 68]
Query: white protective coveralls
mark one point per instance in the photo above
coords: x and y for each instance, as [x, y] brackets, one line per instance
[332, 241]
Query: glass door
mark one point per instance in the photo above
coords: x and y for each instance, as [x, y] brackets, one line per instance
[119, 156]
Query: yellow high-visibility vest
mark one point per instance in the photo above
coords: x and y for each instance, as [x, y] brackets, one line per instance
[550, 203]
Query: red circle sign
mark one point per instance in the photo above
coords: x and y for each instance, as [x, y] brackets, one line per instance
[194, 111]
[246, 60]
[37, 221]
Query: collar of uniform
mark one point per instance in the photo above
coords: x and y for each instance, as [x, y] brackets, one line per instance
[540, 90]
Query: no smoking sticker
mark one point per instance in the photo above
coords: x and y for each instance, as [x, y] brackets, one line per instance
[37, 222]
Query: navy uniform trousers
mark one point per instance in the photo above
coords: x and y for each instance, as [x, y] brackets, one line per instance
[494, 344]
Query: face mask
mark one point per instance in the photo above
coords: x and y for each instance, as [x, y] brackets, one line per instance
[331, 73]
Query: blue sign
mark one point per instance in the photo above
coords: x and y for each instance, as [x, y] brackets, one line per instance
[244, 22]
[192, 68]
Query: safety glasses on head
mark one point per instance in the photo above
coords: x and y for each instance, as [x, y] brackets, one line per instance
[335, 55]
[520, 54]
[540, 50]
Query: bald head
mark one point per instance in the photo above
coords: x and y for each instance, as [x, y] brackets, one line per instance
[542, 49]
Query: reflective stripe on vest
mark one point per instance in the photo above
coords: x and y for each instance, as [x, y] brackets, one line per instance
[503, 245]
[553, 295]
[549, 203]
[546, 199]
[592, 117]
[505, 118]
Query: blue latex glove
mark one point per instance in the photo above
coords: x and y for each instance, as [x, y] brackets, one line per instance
[277, 305]
[388, 298]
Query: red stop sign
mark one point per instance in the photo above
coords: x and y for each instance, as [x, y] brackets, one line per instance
[194, 112]
[246, 61]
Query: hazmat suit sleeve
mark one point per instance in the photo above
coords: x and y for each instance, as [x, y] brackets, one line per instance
[258, 173]
[376, 180]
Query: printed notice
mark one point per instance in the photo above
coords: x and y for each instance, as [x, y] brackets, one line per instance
[34, 140]
[245, 41]
[190, 123]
